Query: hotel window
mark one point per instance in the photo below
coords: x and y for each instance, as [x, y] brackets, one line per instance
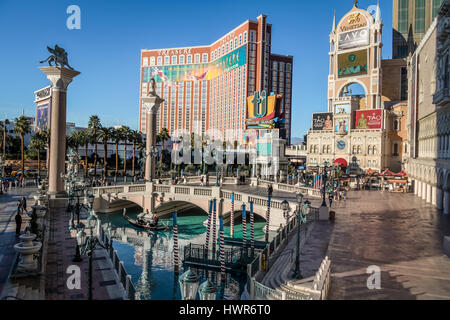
[252, 35]
[374, 150]
[223, 50]
[235, 43]
[197, 58]
[189, 59]
[436, 6]
[240, 39]
[395, 151]
[205, 58]
[166, 60]
[212, 56]
[245, 37]
[403, 16]
[419, 26]
[396, 124]
[404, 85]
[174, 59]
[145, 62]
[181, 59]
[159, 61]
[152, 61]
[231, 45]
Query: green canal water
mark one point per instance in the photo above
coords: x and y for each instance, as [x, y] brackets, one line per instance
[148, 255]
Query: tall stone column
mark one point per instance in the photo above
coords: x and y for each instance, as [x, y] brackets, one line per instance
[428, 197]
[424, 191]
[419, 189]
[433, 195]
[440, 199]
[151, 105]
[60, 79]
[447, 202]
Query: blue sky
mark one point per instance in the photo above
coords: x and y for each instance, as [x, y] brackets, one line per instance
[107, 48]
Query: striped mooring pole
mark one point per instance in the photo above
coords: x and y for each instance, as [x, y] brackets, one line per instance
[175, 243]
[244, 229]
[208, 228]
[221, 248]
[232, 216]
[252, 229]
[268, 219]
[214, 226]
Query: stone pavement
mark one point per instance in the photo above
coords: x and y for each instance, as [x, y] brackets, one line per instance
[61, 250]
[8, 209]
[402, 235]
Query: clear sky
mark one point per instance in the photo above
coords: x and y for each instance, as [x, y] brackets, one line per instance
[107, 48]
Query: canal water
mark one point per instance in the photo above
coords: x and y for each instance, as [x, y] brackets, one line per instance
[148, 255]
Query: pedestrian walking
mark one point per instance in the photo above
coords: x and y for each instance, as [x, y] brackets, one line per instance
[270, 190]
[23, 203]
[18, 218]
[345, 195]
[330, 198]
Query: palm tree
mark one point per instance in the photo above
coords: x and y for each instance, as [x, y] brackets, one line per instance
[94, 126]
[4, 136]
[125, 134]
[136, 139]
[85, 139]
[22, 127]
[117, 137]
[163, 136]
[105, 134]
[38, 142]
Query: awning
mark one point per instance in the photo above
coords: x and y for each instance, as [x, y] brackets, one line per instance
[398, 181]
[402, 174]
[341, 162]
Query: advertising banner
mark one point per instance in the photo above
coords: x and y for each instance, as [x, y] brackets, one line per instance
[353, 39]
[352, 64]
[322, 121]
[264, 112]
[369, 119]
[342, 109]
[42, 117]
[196, 72]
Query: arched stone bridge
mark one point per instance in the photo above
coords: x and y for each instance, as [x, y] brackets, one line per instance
[163, 199]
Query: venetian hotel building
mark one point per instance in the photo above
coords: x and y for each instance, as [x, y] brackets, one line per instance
[206, 87]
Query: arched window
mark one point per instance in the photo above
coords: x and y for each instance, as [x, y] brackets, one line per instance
[369, 150]
[329, 149]
[374, 150]
[359, 149]
[354, 150]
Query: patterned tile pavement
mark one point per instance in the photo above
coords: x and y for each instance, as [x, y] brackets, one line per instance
[402, 235]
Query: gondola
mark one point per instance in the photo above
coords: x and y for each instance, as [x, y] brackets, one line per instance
[142, 226]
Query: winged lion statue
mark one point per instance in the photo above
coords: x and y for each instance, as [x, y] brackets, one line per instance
[58, 56]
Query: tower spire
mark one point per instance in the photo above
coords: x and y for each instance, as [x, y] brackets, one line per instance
[333, 30]
[378, 13]
[356, 3]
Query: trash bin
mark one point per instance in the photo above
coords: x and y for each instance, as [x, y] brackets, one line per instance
[332, 215]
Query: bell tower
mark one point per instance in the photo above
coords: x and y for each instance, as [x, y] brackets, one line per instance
[355, 57]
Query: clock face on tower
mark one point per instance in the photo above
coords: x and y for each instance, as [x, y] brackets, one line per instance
[341, 144]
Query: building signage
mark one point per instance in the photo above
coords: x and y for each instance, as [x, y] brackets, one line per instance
[263, 112]
[42, 117]
[322, 121]
[342, 109]
[368, 119]
[196, 72]
[43, 94]
[353, 21]
[352, 64]
[171, 52]
[352, 39]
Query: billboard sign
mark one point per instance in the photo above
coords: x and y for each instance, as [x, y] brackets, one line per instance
[264, 112]
[322, 121]
[353, 39]
[369, 119]
[42, 117]
[196, 72]
[342, 109]
[352, 64]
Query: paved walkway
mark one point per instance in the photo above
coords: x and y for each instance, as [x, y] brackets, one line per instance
[402, 235]
[8, 209]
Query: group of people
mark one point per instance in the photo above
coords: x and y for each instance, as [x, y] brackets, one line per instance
[337, 195]
[152, 223]
[21, 208]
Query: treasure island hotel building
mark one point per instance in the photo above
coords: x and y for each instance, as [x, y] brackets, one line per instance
[206, 87]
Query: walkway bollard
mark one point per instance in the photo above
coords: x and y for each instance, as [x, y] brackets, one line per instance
[252, 229]
[232, 216]
[175, 243]
[244, 230]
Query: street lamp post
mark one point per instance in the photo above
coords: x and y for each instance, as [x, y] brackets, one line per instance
[325, 178]
[302, 210]
[189, 286]
[1, 169]
[285, 208]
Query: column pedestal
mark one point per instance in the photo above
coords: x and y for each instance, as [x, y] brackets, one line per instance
[60, 79]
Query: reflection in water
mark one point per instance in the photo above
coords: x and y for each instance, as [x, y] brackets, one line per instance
[148, 255]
